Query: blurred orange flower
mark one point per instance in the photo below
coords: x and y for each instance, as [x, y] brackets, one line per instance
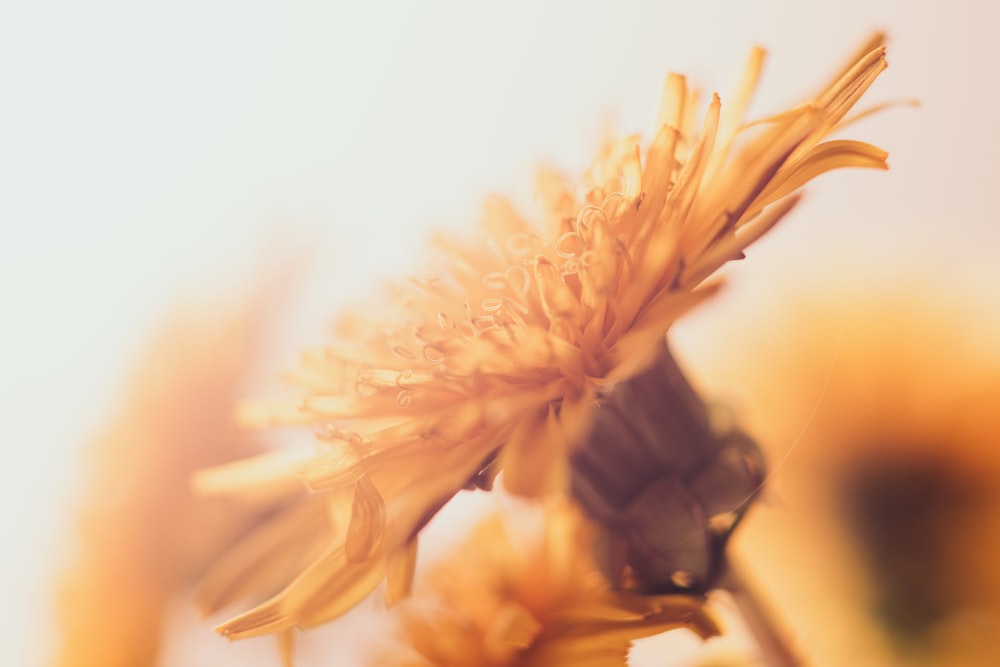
[892, 491]
[142, 535]
[522, 597]
[496, 364]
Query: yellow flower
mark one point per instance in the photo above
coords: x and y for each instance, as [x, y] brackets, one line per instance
[891, 490]
[496, 363]
[512, 597]
[142, 535]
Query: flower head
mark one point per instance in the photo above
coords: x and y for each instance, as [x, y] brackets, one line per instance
[509, 599]
[892, 489]
[496, 363]
[142, 535]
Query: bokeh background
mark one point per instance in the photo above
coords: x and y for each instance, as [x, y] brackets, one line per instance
[157, 154]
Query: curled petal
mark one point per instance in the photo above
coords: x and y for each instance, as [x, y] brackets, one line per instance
[367, 521]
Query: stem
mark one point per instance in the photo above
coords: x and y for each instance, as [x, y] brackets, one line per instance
[773, 648]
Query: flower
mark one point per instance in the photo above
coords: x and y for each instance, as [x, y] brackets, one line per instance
[496, 363]
[142, 535]
[890, 395]
[508, 598]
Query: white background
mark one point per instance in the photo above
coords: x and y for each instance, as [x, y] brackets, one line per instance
[153, 152]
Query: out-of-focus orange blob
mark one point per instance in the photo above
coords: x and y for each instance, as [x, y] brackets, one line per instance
[880, 531]
[142, 534]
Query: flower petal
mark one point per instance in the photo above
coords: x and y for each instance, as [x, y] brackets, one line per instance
[367, 521]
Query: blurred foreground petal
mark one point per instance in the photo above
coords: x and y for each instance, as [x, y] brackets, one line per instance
[142, 535]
